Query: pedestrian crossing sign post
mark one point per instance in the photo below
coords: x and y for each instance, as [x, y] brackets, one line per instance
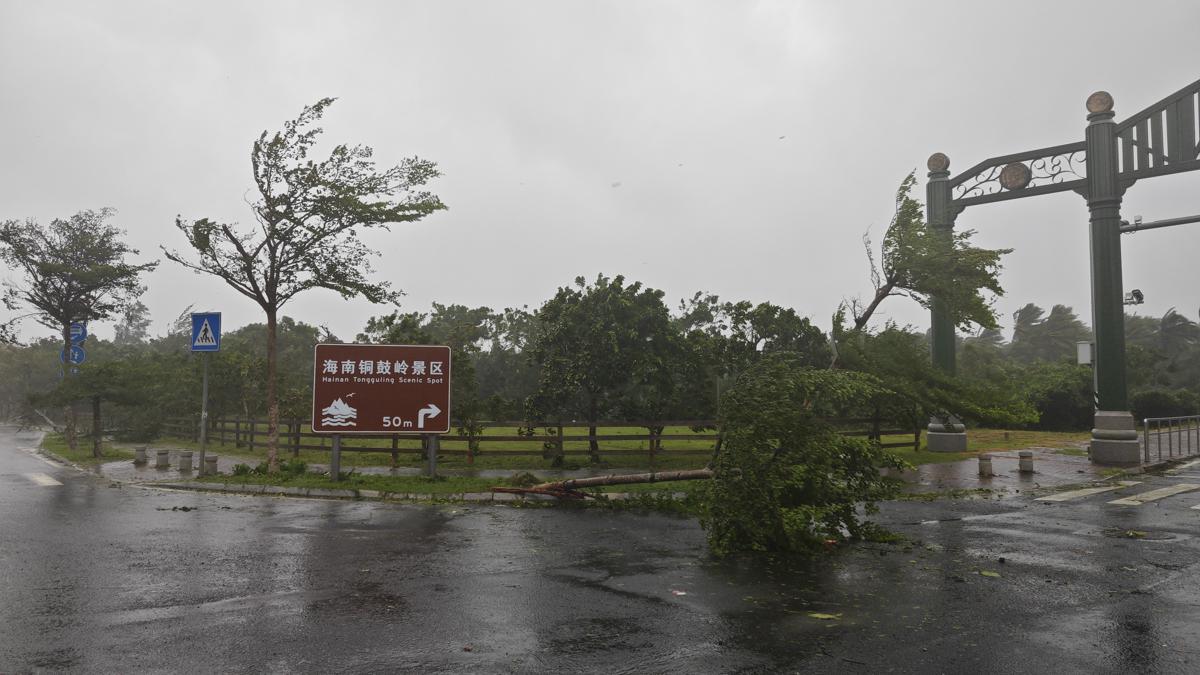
[206, 337]
[206, 332]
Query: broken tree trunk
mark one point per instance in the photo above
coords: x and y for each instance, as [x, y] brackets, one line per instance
[628, 478]
[570, 488]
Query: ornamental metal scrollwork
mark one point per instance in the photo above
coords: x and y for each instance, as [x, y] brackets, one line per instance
[985, 182]
[1041, 171]
[1058, 168]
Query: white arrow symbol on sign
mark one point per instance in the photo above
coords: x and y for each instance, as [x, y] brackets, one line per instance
[429, 411]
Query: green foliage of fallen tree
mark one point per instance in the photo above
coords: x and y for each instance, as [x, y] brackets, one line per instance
[785, 480]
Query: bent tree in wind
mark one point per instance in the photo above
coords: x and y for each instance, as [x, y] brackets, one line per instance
[305, 235]
[72, 270]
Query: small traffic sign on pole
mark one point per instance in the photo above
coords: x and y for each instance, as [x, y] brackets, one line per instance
[75, 357]
[78, 332]
[206, 332]
[206, 337]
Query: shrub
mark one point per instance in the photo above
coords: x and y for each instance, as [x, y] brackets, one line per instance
[1163, 403]
[784, 480]
[292, 466]
[1062, 395]
[137, 425]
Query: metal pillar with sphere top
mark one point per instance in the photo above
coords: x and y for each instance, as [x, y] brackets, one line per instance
[1160, 140]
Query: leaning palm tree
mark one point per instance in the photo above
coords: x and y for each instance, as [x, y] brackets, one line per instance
[1176, 333]
[1141, 330]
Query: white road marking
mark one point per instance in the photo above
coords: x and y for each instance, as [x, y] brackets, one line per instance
[1086, 492]
[34, 453]
[42, 479]
[1181, 467]
[1139, 499]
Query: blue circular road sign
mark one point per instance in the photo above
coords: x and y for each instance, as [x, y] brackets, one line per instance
[76, 357]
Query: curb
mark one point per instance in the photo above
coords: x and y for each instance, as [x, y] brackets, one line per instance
[359, 495]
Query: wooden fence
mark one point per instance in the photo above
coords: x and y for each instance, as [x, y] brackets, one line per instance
[251, 433]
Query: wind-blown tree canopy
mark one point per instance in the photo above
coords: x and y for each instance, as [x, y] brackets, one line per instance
[921, 263]
[72, 270]
[1051, 338]
[729, 337]
[460, 328]
[307, 217]
[1176, 333]
[594, 342]
[134, 325]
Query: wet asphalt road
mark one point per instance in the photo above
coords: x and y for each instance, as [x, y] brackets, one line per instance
[98, 578]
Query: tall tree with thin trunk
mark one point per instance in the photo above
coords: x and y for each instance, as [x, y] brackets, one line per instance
[307, 218]
[73, 270]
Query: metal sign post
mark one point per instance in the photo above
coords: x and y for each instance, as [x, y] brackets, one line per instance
[204, 412]
[206, 337]
[335, 459]
[432, 446]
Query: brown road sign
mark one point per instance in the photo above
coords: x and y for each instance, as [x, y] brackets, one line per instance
[373, 389]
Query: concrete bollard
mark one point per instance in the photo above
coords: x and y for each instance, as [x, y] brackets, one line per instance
[985, 465]
[162, 459]
[139, 454]
[185, 461]
[210, 465]
[1026, 463]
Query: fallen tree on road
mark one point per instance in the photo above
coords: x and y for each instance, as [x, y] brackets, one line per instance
[570, 489]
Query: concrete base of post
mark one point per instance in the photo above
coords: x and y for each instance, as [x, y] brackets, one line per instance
[210, 465]
[1115, 439]
[985, 466]
[185, 461]
[162, 459]
[949, 435]
[938, 441]
[139, 454]
[1025, 463]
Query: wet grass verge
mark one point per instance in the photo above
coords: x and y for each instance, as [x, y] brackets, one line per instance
[675, 497]
[959, 493]
[55, 444]
[442, 485]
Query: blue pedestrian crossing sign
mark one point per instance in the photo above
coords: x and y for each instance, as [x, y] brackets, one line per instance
[206, 332]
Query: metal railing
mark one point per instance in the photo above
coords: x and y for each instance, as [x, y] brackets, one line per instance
[1179, 436]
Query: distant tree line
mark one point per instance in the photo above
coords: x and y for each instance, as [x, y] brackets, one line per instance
[610, 349]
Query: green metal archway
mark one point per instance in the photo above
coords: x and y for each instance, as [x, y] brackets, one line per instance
[1160, 140]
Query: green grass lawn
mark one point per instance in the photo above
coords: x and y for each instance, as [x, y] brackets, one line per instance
[443, 485]
[57, 445]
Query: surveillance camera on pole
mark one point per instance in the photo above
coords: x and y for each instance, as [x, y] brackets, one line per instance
[1134, 297]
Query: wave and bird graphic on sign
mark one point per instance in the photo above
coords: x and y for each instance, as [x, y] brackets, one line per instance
[339, 414]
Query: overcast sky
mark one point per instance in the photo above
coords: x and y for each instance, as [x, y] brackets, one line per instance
[741, 148]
